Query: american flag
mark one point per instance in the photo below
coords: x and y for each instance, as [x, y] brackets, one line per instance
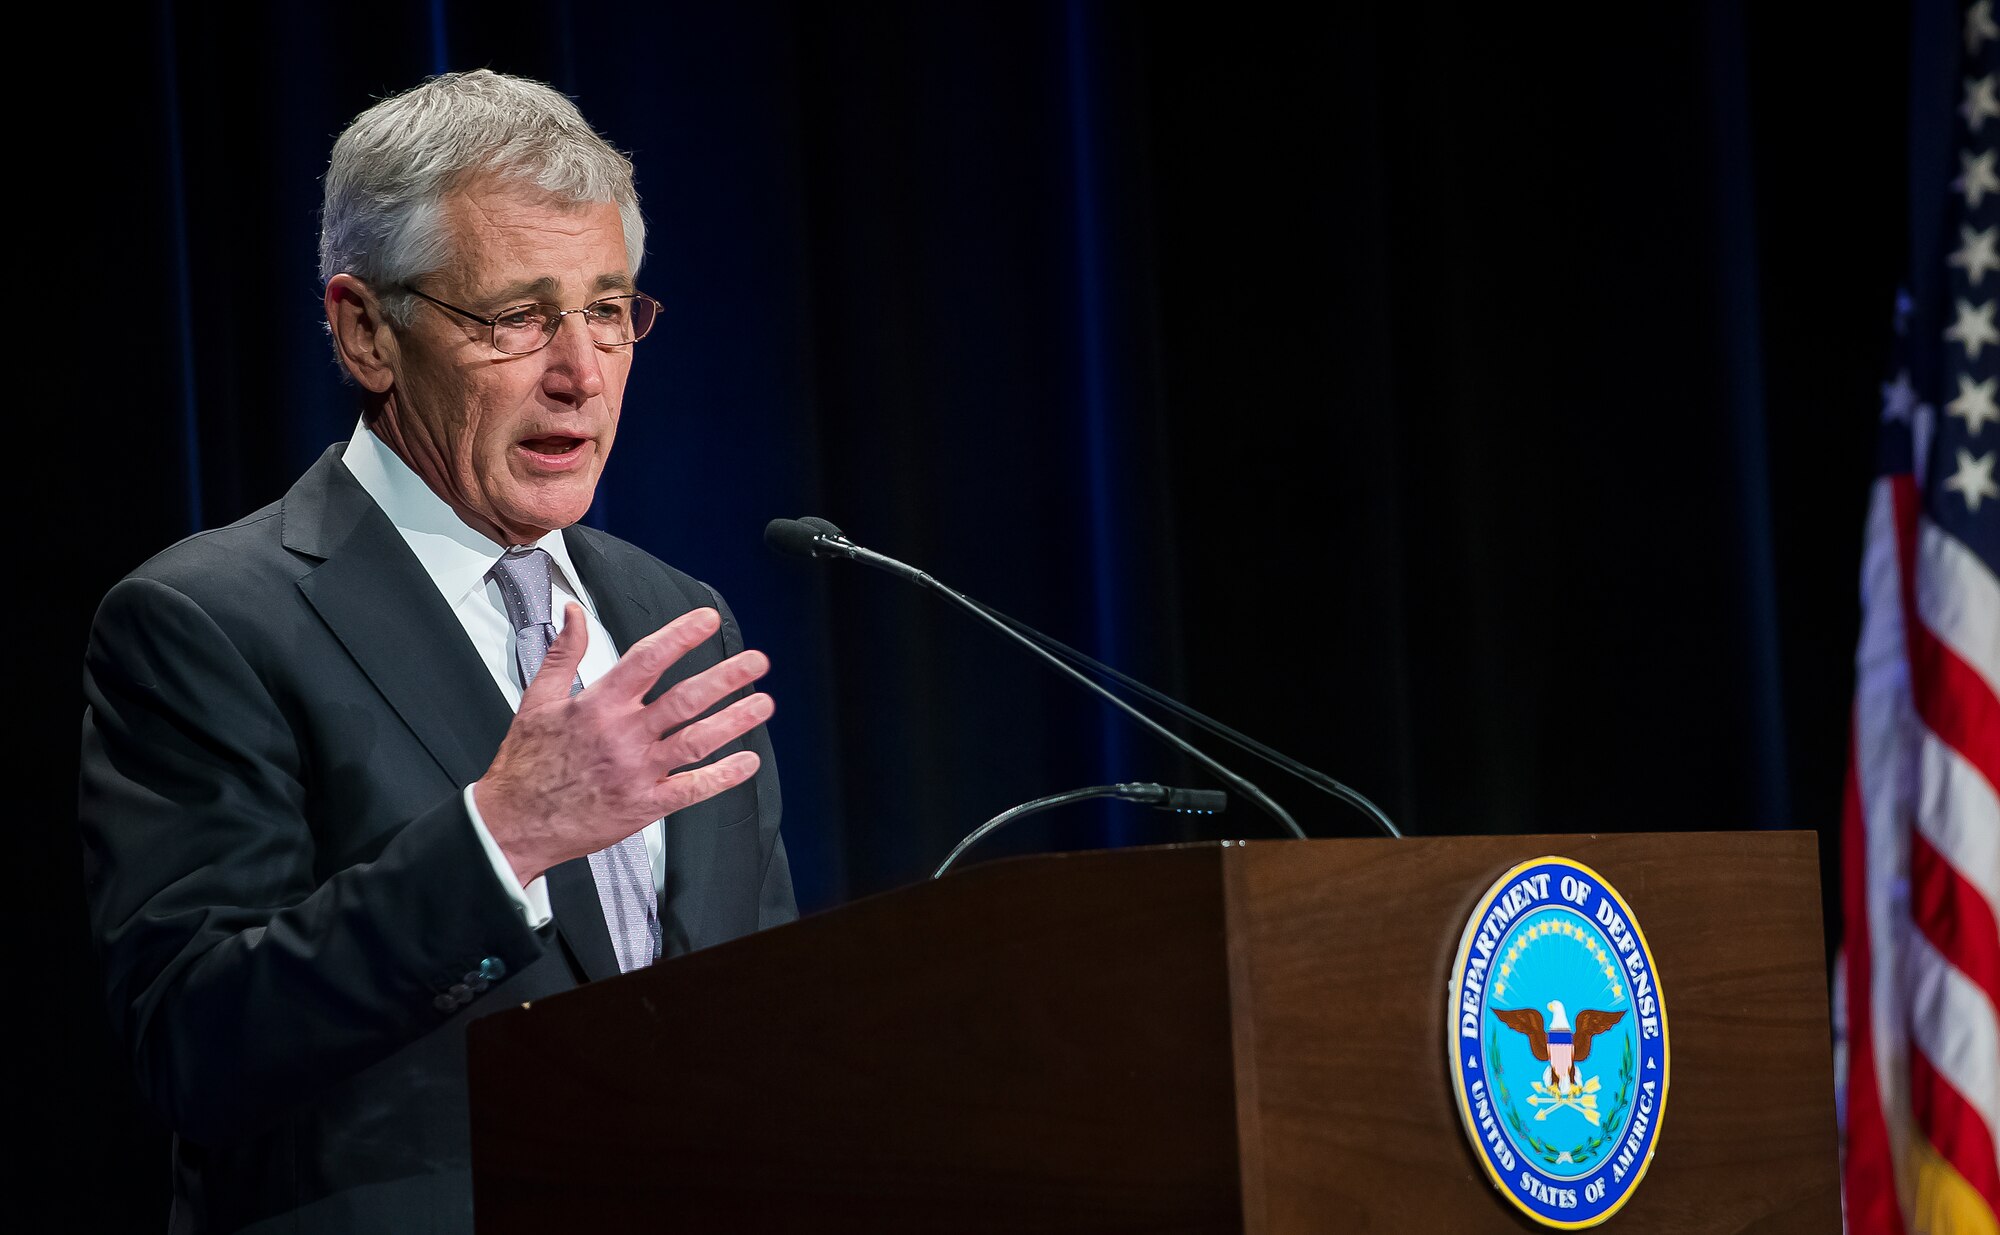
[1919, 982]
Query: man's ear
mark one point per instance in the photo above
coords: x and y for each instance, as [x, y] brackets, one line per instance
[363, 336]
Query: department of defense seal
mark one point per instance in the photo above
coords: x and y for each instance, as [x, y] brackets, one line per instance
[1558, 1042]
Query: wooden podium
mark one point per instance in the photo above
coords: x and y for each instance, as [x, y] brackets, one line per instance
[1217, 1037]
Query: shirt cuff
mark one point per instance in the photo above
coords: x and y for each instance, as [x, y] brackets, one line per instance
[533, 900]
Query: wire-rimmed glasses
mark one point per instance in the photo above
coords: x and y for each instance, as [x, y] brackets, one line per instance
[613, 321]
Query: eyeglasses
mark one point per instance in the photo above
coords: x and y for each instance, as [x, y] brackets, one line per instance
[614, 321]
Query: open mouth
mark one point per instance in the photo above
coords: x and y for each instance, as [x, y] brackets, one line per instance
[553, 447]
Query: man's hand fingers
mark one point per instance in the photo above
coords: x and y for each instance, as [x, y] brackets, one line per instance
[692, 743]
[558, 671]
[689, 699]
[684, 789]
[644, 662]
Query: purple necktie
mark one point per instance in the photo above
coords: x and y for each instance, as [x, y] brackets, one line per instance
[622, 872]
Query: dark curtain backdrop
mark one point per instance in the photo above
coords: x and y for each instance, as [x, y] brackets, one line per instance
[1473, 403]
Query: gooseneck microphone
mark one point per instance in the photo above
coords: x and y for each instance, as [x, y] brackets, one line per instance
[1208, 724]
[816, 538]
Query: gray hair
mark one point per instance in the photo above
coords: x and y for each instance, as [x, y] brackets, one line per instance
[393, 167]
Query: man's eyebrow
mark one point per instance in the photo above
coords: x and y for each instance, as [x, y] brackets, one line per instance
[544, 289]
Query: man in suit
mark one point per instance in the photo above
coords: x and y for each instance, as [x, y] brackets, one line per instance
[409, 745]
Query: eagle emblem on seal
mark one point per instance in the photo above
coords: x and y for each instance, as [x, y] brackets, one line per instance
[1556, 1042]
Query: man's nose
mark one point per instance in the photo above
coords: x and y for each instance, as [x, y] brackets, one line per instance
[575, 363]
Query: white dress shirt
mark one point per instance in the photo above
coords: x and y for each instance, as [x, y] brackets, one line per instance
[458, 560]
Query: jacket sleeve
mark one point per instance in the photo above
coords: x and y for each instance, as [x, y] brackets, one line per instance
[241, 977]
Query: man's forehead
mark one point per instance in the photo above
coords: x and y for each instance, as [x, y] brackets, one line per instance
[515, 243]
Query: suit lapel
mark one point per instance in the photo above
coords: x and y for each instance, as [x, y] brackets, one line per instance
[625, 615]
[376, 598]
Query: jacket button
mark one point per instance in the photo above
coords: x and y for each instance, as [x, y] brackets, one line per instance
[445, 1003]
[493, 969]
[461, 993]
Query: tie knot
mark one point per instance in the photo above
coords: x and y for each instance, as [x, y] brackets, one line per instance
[523, 576]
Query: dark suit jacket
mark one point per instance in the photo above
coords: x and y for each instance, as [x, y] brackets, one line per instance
[295, 915]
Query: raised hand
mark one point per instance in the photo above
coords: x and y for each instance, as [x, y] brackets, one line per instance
[576, 773]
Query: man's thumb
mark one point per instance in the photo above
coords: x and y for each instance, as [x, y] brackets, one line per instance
[558, 671]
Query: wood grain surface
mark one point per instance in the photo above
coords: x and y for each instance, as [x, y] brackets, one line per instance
[1038, 1045]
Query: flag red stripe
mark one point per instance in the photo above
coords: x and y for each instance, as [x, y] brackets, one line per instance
[1954, 1129]
[1955, 917]
[1954, 701]
[1869, 1170]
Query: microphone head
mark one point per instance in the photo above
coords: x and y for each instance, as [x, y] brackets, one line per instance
[793, 537]
[820, 526]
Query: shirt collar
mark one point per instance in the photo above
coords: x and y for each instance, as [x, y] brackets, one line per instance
[453, 554]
